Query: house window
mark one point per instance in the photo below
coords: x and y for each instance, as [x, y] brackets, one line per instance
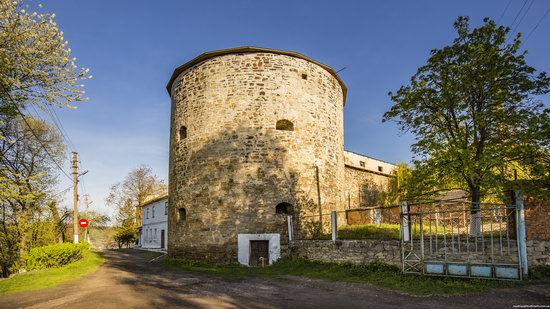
[284, 125]
[155, 235]
[147, 212]
[153, 212]
[183, 133]
[283, 208]
[362, 163]
[182, 214]
[165, 208]
[380, 169]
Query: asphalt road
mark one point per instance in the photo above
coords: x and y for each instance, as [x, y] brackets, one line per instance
[129, 280]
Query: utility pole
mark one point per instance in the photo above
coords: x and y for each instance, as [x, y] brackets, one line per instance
[87, 202]
[75, 198]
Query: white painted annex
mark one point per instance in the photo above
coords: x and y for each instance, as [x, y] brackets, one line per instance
[154, 225]
[367, 163]
[243, 243]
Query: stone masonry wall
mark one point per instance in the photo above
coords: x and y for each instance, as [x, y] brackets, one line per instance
[538, 252]
[351, 251]
[361, 185]
[234, 167]
[388, 215]
[387, 251]
[537, 219]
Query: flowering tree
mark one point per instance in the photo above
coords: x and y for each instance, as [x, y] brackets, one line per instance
[35, 61]
[36, 69]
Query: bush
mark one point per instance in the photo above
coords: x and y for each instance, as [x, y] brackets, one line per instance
[54, 255]
[125, 236]
[539, 272]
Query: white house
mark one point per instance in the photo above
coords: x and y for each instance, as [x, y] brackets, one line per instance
[154, 224]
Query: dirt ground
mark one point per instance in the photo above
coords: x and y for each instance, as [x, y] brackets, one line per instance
[129, 280]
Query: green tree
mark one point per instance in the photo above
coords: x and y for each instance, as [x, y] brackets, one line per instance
[36, 66]
[36, 69]
[127, 197]
[399, 186]
[473, 112]
[29, 176]
[125, 236]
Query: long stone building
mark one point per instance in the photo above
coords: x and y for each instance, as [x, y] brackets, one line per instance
[257, 134]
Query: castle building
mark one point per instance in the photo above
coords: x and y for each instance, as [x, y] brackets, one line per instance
[257, 134]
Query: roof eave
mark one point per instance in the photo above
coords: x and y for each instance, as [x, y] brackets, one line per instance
[250, 49]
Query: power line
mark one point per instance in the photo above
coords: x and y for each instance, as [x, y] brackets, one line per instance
[504, 12]
[523, 16]
[41, 144]
[63, 191]
[57, 123]
[37, 115]
[517, 15]
[537, 25]
[54, 115]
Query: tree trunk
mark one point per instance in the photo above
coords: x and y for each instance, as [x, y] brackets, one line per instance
[22, 250]
[475, 220]
[57, 222]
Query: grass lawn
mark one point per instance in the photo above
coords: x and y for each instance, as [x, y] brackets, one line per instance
[393, 231]
[380, 231]
[46, 278]
[363, 231]
[375, 273]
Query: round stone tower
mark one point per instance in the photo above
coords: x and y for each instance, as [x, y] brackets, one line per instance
[256, 134]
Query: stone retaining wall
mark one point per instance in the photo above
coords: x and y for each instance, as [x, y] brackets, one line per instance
[352, 251]
[538, 252]
[387, 251]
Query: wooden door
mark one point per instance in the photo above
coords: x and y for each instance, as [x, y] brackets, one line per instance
[258, 249]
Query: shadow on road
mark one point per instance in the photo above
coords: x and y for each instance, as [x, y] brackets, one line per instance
[129, 279]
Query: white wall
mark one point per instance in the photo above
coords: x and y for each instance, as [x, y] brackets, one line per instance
[243, 243]
[370, 164]
[153, 225]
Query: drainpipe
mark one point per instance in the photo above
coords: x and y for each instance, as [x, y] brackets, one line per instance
[319, 197]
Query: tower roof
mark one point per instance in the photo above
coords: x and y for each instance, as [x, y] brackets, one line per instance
[250, 49]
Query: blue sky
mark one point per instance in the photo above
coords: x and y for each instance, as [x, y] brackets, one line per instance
[132, 48]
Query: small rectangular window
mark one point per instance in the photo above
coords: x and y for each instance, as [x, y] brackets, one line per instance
[147, 217]
[362, 163]
[153, 215]
[304, 76]
[380, 169]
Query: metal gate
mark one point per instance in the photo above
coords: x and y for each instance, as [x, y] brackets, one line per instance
[461, 239]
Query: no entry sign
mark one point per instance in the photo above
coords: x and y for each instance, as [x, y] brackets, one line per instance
[83, 222]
